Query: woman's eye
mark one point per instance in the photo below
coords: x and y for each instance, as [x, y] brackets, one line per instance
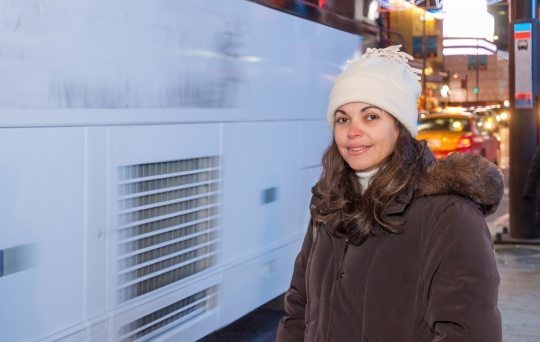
[372, 117]
[341, 120]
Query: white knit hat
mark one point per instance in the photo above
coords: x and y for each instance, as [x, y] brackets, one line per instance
[383, 78]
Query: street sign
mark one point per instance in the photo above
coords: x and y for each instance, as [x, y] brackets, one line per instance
[523, 64]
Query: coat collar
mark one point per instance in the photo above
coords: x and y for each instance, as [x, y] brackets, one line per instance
[467, 175]
[399, 206]
[402, 202]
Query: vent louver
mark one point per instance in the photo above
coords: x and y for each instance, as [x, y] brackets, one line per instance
[175, 313]
[168, 223]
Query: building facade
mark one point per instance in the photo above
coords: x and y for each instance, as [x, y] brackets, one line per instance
[487, 85]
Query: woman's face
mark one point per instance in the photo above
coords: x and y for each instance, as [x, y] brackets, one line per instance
[364, 135]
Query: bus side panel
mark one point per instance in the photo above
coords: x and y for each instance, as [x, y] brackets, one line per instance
[163, 82]
[295, 66]
[260, 167]
[41, 229]
[96, 233]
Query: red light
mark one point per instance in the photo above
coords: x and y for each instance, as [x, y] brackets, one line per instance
[464, 142]
[322, 3]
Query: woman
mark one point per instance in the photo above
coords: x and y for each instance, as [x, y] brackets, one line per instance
[397, 248]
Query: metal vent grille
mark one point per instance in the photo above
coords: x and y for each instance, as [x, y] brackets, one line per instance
[177, 312]
[168, 223]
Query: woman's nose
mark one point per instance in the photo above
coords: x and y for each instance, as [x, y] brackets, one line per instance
[354, 131]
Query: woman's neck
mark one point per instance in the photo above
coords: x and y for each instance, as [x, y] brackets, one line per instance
[364, 177]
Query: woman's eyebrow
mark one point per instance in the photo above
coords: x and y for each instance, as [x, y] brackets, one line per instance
[340, 111]
[368, 107]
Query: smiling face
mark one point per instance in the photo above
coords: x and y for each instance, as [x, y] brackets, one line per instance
[364, 134]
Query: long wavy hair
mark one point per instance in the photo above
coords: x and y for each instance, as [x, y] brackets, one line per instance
[348, 209]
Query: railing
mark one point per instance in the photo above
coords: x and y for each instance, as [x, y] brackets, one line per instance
[387, 41]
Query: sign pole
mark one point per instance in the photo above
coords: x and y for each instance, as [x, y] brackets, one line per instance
[524, 122]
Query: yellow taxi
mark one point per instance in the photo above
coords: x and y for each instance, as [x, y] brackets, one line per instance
[459, 132]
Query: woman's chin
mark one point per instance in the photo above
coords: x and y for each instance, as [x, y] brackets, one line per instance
[363, 167]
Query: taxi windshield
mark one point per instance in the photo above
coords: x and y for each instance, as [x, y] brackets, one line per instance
[444, 124]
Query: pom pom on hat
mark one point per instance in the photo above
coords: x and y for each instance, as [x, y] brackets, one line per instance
[383, 78]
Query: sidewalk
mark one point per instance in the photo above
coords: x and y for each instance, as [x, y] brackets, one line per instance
[519, 291]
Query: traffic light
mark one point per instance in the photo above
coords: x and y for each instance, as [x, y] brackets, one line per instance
[476, 90]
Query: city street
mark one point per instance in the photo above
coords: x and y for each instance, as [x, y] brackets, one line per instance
[519, 291]
[159, 159]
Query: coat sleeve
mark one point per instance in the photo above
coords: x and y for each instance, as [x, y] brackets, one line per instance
[460, 278]
[291, 328]
[532, 176]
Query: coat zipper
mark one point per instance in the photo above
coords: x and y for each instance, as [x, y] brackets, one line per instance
[332, 300]
[340, 273]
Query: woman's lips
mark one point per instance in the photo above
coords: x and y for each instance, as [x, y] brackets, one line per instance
[356, 150]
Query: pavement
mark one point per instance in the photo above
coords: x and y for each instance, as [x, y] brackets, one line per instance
[258, 326]
[519, 290]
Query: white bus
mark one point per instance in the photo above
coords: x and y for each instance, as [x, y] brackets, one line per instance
[156, 161]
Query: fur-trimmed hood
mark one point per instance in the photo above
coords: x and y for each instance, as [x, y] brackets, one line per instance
[467, 175]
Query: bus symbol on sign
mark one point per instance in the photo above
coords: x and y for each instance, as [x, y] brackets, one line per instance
[522, 45]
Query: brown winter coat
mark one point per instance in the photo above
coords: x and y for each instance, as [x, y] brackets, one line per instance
[438, 281]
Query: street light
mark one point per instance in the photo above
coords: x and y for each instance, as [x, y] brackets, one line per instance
[445, 92]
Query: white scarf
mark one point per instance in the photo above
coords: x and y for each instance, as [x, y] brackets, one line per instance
[365, 177]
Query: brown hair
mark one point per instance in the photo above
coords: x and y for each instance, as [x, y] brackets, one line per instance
[346, 210]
